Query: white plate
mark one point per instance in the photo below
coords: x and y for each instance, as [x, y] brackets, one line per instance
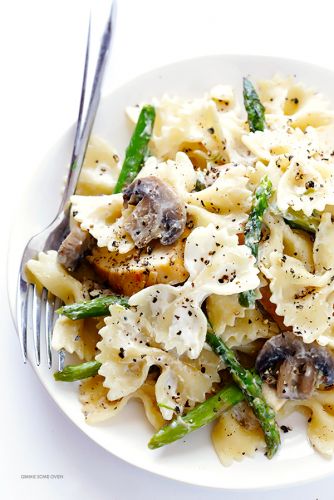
[193, 459]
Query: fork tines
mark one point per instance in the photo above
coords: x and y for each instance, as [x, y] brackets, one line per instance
[38, 315]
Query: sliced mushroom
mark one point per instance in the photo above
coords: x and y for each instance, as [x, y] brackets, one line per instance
[74, 246]
[159, 214]
[297, 369]
[296, 378]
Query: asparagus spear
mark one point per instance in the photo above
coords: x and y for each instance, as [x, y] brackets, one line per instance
[201, 415]
[253, 230]
[251, 388]
[137, 149]
[93, 308]
[254, 107]
[77, 372]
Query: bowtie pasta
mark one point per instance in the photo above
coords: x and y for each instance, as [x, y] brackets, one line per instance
[219, 225]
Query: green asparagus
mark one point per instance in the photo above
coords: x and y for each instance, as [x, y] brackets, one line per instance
[200, 181]
[201, 415]
[247, 299]
[298, 220]
[254, 107]
[93, 308]
[253, 230]
[251, 388]
[137, 149]
[77, 372]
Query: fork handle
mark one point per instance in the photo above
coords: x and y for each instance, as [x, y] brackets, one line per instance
[85, 124]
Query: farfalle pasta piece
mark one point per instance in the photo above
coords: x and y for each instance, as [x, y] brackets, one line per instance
[97, 407]
[104, 218]
[217, 264]
[176, 317]
[46, 272]
[320, 419]
[100, 169]
[77, 337]
[199, 216]
[228, 194]
[179, 173]
[273, 144]
[255, 174]
[128, 350]
[273, 243]
[236, 325]
[192, 126]
[301, 105]
[298, 244]
[282, 239]
[307, 185]
[323, 249]
[233, 130]
[223, 311]
[233, 442]
[301, 297]
[322, 137]
[305, 299]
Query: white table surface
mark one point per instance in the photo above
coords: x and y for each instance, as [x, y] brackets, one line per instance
[42, 52]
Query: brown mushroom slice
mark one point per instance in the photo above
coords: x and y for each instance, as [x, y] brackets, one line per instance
[296, 378]
[159, 214]
[274, 351]
[74, 246]
[324, 363]
[294, 367]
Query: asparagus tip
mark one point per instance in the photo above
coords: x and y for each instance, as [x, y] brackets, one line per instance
[57, 376]
[154, 443]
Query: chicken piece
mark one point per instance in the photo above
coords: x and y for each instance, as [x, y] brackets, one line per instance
[131, 272]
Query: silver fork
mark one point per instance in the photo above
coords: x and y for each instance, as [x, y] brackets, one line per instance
[32, 308]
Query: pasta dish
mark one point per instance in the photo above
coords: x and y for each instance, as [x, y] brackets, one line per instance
[198, 272]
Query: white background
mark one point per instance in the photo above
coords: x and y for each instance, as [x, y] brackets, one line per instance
[42, 45]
